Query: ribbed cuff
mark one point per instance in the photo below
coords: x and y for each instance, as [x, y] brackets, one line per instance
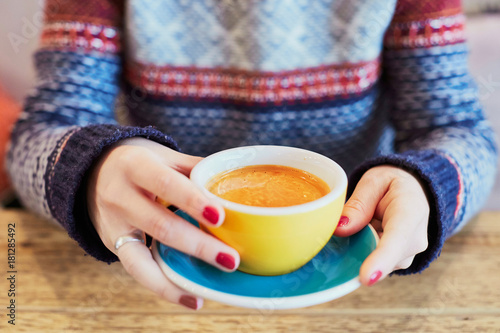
[66, 194]
[440, 180]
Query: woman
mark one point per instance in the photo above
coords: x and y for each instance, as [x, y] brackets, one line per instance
[381, 87]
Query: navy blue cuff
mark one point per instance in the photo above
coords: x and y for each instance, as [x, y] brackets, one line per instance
[440, 180]
[65, 185]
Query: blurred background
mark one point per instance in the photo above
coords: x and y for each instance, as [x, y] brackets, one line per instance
[21, 21]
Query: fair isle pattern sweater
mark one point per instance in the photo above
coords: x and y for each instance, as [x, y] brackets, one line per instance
[365, 82]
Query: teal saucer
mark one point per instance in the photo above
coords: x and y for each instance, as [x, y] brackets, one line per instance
[332, 273]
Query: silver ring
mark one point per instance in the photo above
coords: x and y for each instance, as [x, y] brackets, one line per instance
[136, 236]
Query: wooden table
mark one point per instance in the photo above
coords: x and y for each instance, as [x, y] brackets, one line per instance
[59, 289]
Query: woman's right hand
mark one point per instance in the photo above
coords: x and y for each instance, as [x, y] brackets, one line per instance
[121, 195]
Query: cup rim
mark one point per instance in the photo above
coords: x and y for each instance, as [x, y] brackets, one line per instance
[339, 189]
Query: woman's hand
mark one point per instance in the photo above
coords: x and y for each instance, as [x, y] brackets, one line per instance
[397, 207]
[121, 196]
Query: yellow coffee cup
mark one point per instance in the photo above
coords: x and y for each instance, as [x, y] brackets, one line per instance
[275, 240]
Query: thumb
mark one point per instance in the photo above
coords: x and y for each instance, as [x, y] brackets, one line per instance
[388, 256]
[404, 235]
[359, 210]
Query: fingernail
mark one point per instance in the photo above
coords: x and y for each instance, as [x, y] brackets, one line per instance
[343, 221]
[374, 277]
[226, 260]
[211, 214]
[189, 301]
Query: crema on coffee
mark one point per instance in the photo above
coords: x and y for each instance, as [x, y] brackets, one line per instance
[268, 186]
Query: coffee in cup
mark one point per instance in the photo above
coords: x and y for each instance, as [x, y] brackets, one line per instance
[282, 238]
[268, 186]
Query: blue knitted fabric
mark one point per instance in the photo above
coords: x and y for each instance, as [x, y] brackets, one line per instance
[363, 82]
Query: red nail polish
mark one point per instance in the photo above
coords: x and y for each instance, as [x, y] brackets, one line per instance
[211, 214]
[225, 260]
[343, 221]
[374, 277]
[189, 302]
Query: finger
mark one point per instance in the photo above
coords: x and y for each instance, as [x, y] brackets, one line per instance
[176, 232]
[379, 263]
[399, 242]
[176, 189]
[183, 163]
[360, 208]
[139, 263]
[180, 162]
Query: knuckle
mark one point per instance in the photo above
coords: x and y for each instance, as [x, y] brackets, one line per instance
[161, 230]
[130, 265]
[357, 205]
[403, 174]
[394, 172]
[108, 197]
[165, 292]
[164, 182]
[194, 201]
[128, 156]
[111, 201]
[200, 249]
[191, 201]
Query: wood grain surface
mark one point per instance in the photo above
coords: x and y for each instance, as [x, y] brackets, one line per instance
[59, 289]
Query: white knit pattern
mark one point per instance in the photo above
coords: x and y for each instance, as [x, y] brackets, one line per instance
[266, 35]
[29, 164]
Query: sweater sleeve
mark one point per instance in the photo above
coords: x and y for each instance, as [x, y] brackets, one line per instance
[68, 118]
[442, 136]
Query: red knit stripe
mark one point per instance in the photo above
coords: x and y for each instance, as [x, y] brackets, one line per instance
[253, 87]
[84, 36]
[428, 33]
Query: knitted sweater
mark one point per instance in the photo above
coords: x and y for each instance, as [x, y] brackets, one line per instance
[365, 82]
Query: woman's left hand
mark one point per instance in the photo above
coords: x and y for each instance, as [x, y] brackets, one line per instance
[394, 202]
